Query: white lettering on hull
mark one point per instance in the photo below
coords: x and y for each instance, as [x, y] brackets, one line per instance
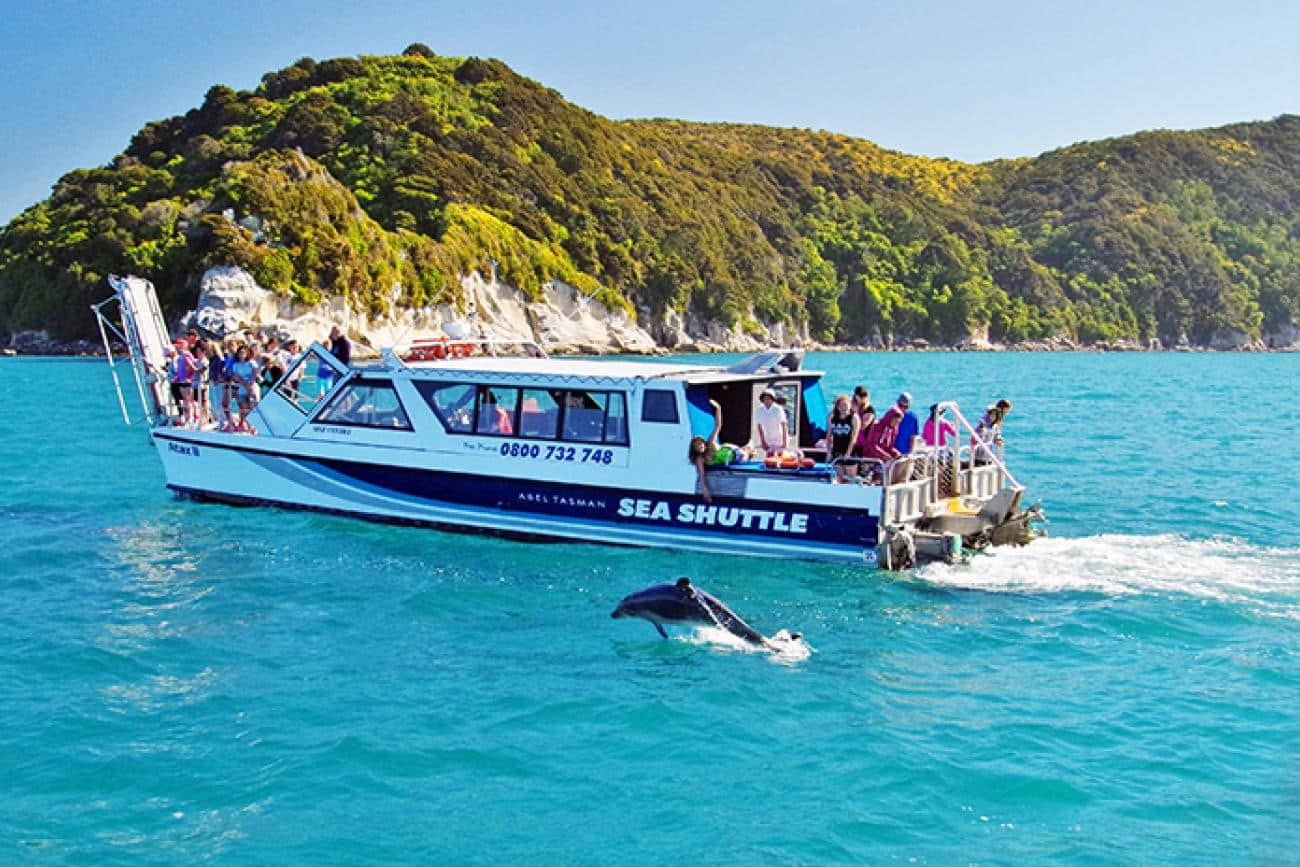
[715, 516]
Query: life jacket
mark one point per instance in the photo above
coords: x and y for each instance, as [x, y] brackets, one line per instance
[786, 461]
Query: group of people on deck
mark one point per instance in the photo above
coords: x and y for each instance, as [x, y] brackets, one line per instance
[855, 433]
[855, 436]
[857, 441]
[238, 369]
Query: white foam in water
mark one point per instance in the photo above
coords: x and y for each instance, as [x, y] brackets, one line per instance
[1221, 569]
[782, 647]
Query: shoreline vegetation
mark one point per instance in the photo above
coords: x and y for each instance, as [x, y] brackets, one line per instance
[372, 188]
[37, 347]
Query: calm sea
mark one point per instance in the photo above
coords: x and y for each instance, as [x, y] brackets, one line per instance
[186, 683]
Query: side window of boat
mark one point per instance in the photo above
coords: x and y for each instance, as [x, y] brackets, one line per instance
[367, 403]
[496, 410]
[539, 413]
[531, 413]
[659, 405]
[616, 419]
[307, 381]
[453, 404]
[584, 416]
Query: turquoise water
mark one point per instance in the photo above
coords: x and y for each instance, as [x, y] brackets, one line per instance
[183, 682]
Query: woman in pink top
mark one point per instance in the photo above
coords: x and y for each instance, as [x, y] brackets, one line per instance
[935, 432]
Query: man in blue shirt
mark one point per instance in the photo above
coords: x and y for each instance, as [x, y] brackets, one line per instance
[908, 426]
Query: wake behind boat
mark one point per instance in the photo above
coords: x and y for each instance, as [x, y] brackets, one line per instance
[461, 436]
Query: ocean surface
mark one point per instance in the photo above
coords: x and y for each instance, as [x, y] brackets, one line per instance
[185, 683]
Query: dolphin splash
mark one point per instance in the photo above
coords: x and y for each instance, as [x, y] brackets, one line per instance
[684, 603]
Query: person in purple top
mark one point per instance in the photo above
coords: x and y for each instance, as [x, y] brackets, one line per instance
[908, 426]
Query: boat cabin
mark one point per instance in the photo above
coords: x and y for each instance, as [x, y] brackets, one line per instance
[638, 416]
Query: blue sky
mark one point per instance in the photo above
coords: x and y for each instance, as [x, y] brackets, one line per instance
[972, 81]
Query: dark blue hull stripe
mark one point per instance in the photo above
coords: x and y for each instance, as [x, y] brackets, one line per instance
[569, 511]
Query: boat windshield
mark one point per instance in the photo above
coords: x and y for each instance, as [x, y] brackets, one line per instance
[310, 378]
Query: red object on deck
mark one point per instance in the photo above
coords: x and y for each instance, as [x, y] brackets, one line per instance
[437, 349]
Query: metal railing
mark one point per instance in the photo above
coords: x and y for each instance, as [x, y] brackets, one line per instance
[950, 468]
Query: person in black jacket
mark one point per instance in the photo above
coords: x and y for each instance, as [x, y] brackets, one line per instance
[340, 346]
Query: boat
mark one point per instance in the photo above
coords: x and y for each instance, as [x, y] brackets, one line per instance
[496, 437]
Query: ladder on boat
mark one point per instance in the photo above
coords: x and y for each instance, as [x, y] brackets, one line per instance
[144, 331]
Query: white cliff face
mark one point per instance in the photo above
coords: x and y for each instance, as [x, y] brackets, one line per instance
[564, 321]
[230, 299]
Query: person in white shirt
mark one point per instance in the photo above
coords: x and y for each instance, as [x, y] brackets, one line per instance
[773, 428]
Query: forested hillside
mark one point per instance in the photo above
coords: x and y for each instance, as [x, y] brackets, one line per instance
[386, 178]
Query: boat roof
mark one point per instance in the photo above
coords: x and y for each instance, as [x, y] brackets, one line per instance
[591, 368]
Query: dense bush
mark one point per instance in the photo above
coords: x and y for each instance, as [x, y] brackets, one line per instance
[383, 179]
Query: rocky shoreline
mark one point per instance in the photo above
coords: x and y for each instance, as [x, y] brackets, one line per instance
[38, 344]
[563, 322]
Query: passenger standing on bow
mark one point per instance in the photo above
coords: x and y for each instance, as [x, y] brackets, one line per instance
[773, 427]
[842, 426]
[183, 381]
[244, 377]
[202, 373]
[340, 346]
[272, 363]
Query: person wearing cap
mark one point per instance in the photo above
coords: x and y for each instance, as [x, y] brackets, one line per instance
[770, 420]
[908, 426]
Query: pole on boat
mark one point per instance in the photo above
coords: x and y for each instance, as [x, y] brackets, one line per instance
[108, 353]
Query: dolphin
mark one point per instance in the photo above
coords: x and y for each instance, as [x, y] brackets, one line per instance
[683, 603]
